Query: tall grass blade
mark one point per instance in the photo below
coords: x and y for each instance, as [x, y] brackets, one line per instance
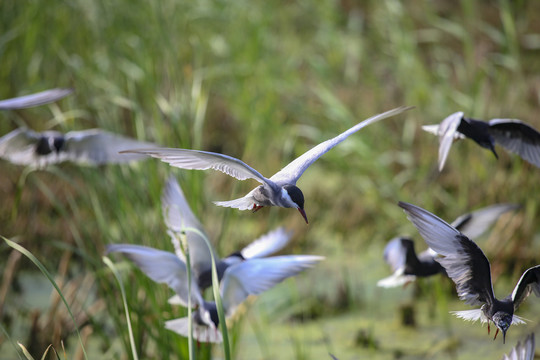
[47, 351]
[10, 340]
[44, 271]
[181, 248]
[217, 297]
[111, 266]
[25, 351]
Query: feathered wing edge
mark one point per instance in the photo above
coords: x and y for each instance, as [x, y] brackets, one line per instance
[478, 314]
[522, 351]
[527, 284]
[36, 99]
[267, 244]
[471, 315]
[463, 258]
[294, 170]
[395, 280]
[200, 333]
[244, 203]
[447, 135]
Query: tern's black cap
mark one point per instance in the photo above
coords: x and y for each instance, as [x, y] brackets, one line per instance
[296, 195]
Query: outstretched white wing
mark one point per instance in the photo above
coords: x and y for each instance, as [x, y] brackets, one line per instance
[292, 172]
[204, 160]
[40, 98]
[19, 146]
[267, 244]
[252, 277]
[178, 216]
[477, 222]
[162, 267]
[96, 147]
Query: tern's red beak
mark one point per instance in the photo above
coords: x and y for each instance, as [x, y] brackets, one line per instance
[303, 214]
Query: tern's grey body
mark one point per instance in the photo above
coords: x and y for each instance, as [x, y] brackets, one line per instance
[250, 277]
[401, 255]
[23, 146]
[41, 98]
[470, 270]
[178, 216]
[514, 135]
[279, 190]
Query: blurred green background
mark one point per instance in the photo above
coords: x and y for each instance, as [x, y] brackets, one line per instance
[265, 81]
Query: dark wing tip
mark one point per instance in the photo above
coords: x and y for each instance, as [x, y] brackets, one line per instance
[407, 206]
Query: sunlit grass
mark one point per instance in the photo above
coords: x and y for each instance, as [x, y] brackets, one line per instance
[46, 273]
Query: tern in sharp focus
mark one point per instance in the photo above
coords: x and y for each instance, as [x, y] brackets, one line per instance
[40, 98]
[240, 280]
[514, 135]
[470, 270]
[279, 190]
[23, 146]
[406, 265]
[178, 217]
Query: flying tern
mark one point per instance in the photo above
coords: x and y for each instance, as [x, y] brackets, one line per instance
[470, 270]
[406, 265]
[279, 190]
[240, 280]
[23, 146]
[514, 135]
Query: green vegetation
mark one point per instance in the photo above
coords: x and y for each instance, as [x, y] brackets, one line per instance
[264, 81]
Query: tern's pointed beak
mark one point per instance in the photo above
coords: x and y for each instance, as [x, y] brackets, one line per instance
[303, 214]
[504, 336]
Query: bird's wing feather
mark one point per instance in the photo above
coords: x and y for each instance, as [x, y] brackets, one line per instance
[471, 315]
[178, 216]
[204, 160]
[292, 172]
[517, 137]
[447, 135]
[177, 300]
[267, 244]
[96, 147]
[243, 203]
[395, 253]
[40, 98]
[252, 277]
[529, 282]
[463, 260]
[162, 267]
[396, 279]
[201, 333]
[434, 129]
[19, 146]
[477, 222]
[523, 351]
